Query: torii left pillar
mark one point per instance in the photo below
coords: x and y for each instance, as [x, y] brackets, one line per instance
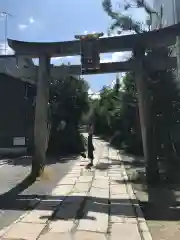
[41, 116]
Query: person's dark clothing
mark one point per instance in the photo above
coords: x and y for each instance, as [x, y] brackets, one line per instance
[90, 148]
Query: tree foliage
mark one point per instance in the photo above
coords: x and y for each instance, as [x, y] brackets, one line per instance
[119, 112]
[68, 102]
[162, 88]
[122, 21]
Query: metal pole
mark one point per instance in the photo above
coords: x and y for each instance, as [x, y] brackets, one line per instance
[5, 33]
[175, 13]
[6, 15]
[80, 75]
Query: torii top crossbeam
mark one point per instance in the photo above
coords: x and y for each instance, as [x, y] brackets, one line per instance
[156, 38]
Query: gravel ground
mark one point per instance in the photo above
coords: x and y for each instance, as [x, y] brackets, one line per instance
[163, 215]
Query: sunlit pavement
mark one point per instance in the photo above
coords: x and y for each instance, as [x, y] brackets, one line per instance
[86, 204]
[13, 172]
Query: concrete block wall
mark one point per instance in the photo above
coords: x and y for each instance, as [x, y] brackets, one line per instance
[16, 111]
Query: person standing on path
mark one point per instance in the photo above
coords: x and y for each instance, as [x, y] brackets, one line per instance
[90, 145]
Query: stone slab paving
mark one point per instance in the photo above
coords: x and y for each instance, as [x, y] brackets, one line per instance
[55, 235]
[82, 235]
[125, 231]
[24, 231]
[87, 205]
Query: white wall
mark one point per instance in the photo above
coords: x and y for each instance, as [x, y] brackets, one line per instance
[168, 17]
[177, 6]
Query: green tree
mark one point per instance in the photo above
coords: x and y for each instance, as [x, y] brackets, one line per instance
[105, 111]
[164, 96]
[130, 116]
[68, 102]
[122, 21]
[118, 111]
[165, 106]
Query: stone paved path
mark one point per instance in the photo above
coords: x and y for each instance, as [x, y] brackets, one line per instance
[86, 205]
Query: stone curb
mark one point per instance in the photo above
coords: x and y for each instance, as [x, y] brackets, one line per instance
[142, 225]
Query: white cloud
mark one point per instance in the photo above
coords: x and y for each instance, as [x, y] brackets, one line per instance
[93, 95]
[55, 59]
[36, 61]
[2, 14]
[90, 92]
[117, 57]
[31, 20]
[92, 32]
[22, 26]
[121, 56]
[60, 60]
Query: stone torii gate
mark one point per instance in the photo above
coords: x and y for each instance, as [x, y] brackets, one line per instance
[137, 43]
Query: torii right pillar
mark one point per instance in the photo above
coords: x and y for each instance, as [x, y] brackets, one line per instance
[146, 120]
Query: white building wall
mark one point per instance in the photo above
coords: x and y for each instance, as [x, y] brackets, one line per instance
[168, 16]
[177, 10]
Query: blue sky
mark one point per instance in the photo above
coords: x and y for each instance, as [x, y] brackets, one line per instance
[60, 20]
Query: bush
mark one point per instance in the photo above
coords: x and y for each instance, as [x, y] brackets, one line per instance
[68, 141]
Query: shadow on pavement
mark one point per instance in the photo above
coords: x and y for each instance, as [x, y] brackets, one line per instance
[120, 207]
[27, 160]
[68, 206]
[161, 205]
[24, 186]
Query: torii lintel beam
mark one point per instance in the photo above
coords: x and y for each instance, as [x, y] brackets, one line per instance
[156, 38]
[59, 71]
[159, 64]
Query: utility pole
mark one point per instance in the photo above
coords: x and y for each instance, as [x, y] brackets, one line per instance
[5, 15]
